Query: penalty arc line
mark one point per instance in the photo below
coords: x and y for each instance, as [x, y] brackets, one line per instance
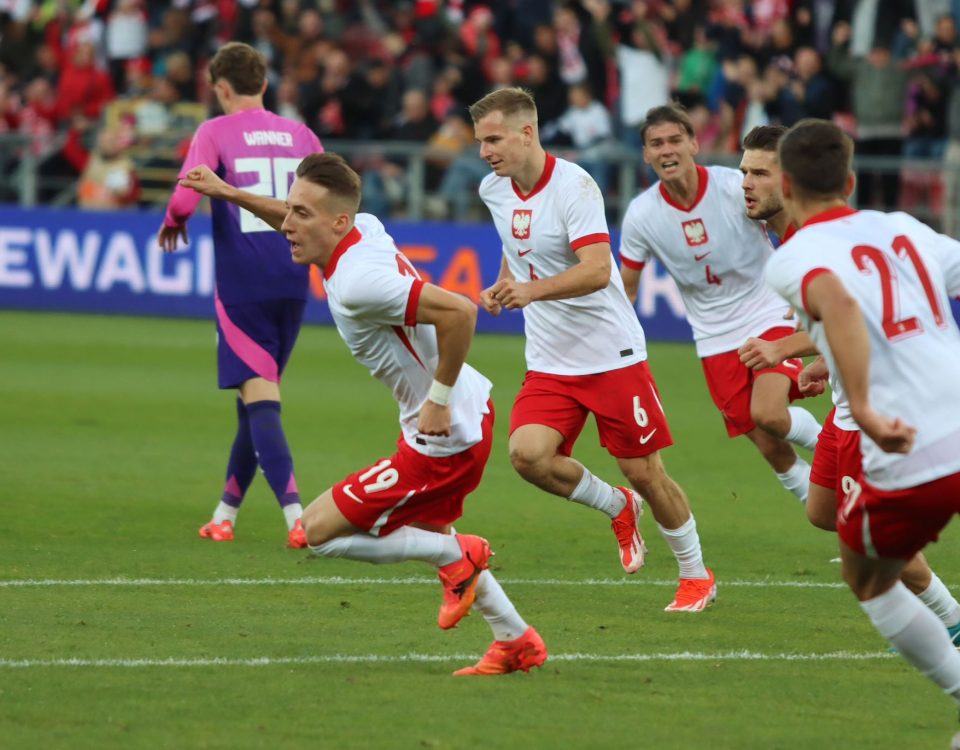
[267, 661]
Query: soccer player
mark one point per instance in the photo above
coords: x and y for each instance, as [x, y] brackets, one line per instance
[414, 338]
[693, 222]
[836, 460]
[260, 294]
[873, 290]
[585, 349]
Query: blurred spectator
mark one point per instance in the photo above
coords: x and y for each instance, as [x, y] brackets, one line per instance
[878, 87]
[585, 125]
[370, 101]
[952, 157]
[698, 65]
[809, 92]
[385, 182]
[926, 118]
[181, 75]
[548, 90]
[581, 58]
[84, 88]
[126, 39]
[109, 180]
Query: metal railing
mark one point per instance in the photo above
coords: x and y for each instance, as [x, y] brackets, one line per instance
[928, 189]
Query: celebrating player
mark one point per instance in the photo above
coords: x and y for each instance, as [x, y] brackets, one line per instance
[414, 338]
[873, 289]
[585, 349]
[693, 222]
[260, 294]
[836, 459]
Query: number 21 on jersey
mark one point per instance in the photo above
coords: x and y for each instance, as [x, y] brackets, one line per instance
[273, 180]
[894, 328]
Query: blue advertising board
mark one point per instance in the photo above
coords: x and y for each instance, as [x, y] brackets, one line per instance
[109, 262]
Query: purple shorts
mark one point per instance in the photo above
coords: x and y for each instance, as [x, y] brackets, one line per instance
[254, 340]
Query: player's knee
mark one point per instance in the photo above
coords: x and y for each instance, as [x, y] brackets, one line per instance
[774, 421]
[316, 530]
[645, 476]
[528, 462]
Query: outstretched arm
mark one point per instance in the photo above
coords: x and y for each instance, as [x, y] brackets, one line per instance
[205, 181]
[454, 317]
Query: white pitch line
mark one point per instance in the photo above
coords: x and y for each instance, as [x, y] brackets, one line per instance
[466, 658]
[412, 581]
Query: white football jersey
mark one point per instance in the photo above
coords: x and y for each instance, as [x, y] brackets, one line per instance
[716, 255]
[902, 275]
[373, 292]
[541, 233]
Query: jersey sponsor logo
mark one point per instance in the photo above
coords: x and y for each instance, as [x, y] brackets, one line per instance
[695, 232]
[521, 253]
[644, 439]
[521, 223]
[349, 493]
[701, 256]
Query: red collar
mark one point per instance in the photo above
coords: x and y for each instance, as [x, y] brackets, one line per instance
[541, 183]
[791, 230]
[703, 177]
[830, 214]
[350, 239]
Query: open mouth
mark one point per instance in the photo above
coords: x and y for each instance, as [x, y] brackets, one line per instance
[669, 164]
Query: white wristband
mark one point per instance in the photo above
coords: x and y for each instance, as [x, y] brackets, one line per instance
[440, 393]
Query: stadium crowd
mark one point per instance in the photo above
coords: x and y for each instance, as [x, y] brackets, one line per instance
[373, 70]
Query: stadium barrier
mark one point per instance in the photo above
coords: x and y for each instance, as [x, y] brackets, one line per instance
[110, 262]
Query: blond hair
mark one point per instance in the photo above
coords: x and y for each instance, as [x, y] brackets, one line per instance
[510, 101]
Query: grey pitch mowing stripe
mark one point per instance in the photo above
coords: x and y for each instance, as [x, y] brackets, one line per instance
[411, 581]
[268, 661]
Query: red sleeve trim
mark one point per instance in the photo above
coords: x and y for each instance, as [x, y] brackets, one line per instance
[413, 301]
[590, 239]
[635, 265]
[810, 276]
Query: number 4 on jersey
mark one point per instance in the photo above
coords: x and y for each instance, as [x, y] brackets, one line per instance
[712, 278]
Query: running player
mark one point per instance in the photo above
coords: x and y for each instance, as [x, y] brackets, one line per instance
[693, 222]
[873, 289]
[260, 295]
[585, 349]
[836, 459]
[414, 338]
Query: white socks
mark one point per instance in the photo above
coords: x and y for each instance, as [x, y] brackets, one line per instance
[406, 543]
[940, 601]
[796, 479]
[804, 428]
[225, 512]
[595, 493]
[685, 543]
[291, 514]
[497, 609]
[917, 635]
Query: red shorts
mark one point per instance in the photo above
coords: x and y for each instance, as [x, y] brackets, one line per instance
[731, 382]
[412, 488]
[897, 523]
[837, 460]
[625, 402]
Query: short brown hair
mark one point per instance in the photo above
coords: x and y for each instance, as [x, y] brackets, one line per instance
[332, 172]
[510, 101]
[764, 138]
[665, 113]
[240, 65]
[817, 155]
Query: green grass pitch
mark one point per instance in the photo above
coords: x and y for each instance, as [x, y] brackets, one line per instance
[113, 443]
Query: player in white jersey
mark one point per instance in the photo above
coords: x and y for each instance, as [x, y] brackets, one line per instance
[413, 337]
[836, 460]
[873, 290]
[693, 222]
[585, 348]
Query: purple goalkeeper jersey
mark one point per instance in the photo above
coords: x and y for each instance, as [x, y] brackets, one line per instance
[258, 151]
